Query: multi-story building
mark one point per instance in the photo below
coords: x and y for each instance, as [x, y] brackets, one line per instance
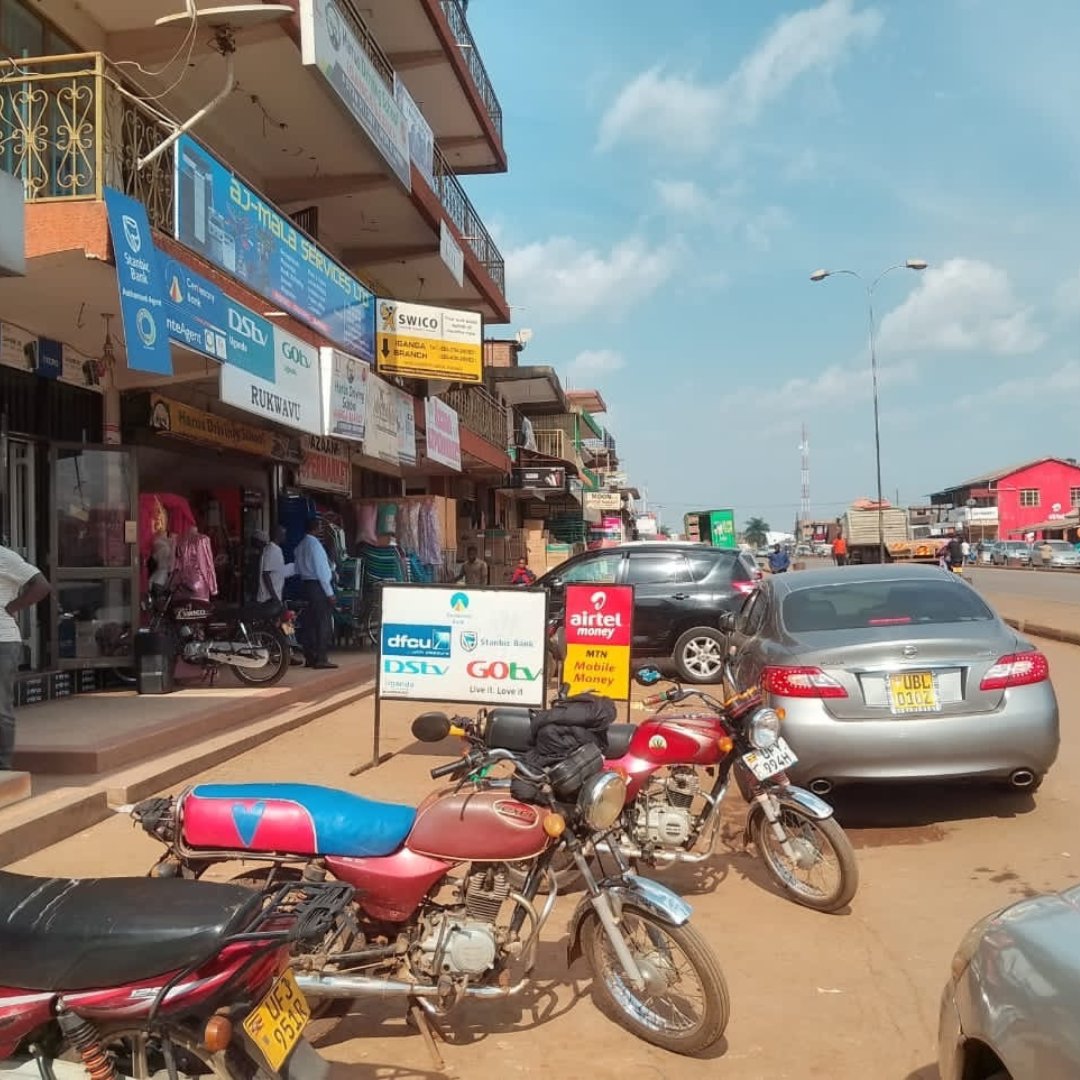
[284, 165]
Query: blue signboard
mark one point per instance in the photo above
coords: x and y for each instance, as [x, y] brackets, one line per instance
[141, 306]
[234, 228]
[50, 358]
[200, 317]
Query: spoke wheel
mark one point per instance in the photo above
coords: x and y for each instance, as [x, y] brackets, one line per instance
[684, 1005]
[279, 659]
[824, 874]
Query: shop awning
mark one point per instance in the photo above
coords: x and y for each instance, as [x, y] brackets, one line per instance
[1070, 521]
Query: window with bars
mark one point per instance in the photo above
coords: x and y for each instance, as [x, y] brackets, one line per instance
[1029, 496]
[1074, 496]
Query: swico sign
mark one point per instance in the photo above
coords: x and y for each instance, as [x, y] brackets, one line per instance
[325, 465]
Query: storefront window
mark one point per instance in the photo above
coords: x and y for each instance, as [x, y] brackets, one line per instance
[94, 618]
[93, 503]
[22, 31]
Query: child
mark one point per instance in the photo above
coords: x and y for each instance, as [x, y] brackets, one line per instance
[522, 575]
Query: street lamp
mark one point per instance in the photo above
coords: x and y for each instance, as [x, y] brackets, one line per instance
[821, 275]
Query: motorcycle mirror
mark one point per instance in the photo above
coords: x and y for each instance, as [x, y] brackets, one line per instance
[727, 622]
[647, 676]
[431, 727]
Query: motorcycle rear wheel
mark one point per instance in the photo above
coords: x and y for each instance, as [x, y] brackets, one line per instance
[273, 671]
[654, 945]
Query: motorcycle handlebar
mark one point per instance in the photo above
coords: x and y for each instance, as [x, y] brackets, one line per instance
[449, 770]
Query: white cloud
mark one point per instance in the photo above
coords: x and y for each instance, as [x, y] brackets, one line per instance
[676, 112]
[962, 305]
[1059, 387]
[836, 387]
[592, 362]
[564, 281]
[723, 209]
[683, 197]
[1067, 296]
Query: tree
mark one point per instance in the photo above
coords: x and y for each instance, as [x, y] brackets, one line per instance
[756, 532]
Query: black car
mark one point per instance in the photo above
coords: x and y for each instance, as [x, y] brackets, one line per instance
[680, 591]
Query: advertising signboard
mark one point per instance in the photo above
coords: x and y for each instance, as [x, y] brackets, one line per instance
[443, 434]
[465, 646]
[381, 421]
[451, 254]
[406, 432]
[421, 137]
[421, 342]
[603, 500]
[325, 465]
[599, 633]
[293, 396]
[233, 227]
[545, 477]
[330, 41]
[722, 528]
[169, 417]
[344, 383]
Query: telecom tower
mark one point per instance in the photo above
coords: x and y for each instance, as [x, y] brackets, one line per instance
[804, 502]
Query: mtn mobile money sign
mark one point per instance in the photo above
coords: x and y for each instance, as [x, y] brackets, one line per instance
[420, 342]
[599, 632]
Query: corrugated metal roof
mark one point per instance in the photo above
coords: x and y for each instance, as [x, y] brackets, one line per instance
[998, 474]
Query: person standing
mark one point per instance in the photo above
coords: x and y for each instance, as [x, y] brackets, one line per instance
[21, 586]
[312, 566]
[474, 570]
[954, 552]
[839, 550]
[273, 570]
[1046, 554]
[779, 561]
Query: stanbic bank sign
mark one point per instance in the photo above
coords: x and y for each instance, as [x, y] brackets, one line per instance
[292, 398]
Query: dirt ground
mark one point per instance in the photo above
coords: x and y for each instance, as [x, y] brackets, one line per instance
[846, 996]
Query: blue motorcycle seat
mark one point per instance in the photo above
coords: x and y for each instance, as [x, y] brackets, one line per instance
[301, 819]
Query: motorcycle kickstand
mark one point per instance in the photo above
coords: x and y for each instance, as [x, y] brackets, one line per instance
[429, 1030]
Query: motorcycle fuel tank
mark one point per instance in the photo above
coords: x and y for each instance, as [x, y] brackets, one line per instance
[477, 825]
[678, 740]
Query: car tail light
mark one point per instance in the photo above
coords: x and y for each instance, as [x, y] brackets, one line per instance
[745, 588]
[801, 682]
[1016, 669]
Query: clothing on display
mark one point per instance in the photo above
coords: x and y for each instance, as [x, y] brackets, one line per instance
[195, 565]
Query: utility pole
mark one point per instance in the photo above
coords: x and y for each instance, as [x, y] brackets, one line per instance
[804, 502]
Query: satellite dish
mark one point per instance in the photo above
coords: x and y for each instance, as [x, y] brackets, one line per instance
[523, 337]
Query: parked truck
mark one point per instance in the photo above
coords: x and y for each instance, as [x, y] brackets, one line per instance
[714, 527]
[865, 529]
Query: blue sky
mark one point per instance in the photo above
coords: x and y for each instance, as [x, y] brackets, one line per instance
[677, 171]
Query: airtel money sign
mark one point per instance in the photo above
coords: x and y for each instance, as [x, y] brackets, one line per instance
[599, 632]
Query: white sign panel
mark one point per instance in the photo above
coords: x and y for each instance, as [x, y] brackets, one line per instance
[294, 398]
[467, 646]
[17, 347]
[344, 385]
[443, 434]
[406, 428]
[382, 418]
[450, 252]
[421, 137]
[603, 500]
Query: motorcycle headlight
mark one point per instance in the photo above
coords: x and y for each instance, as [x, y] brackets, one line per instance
[764, 729]
[601, 800]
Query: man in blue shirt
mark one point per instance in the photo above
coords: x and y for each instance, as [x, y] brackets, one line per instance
[312, 566]
[779, 560]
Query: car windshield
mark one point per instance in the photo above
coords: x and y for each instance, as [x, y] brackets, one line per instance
[1060, 545]
[882, 603]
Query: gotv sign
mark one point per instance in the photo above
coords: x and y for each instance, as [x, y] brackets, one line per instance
[599, 634]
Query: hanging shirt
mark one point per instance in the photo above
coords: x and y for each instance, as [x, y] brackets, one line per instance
[312, 564]
[272, 565]
[15, 575]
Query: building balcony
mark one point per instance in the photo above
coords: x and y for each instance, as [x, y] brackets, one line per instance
[554, 443]
[480, 413]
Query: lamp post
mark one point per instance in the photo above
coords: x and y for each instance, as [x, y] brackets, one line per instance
[821, 275]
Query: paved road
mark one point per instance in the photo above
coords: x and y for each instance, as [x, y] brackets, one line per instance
[813, 996]
[1062, 587]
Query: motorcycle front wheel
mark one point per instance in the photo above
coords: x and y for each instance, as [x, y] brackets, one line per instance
[824, 875]
[279, 661]
[684, 1006]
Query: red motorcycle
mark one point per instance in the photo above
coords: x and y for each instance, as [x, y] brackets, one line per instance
[436, 919]
[678, 769]
[130, 978]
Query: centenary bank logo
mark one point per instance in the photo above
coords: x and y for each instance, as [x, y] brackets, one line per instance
[459, 602]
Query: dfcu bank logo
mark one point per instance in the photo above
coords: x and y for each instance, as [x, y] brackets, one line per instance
[407, 639]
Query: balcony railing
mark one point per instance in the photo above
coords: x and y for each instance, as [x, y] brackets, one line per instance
[558, 444]
[447, 186]
[69, 127]
[459, 27]
[481, 413]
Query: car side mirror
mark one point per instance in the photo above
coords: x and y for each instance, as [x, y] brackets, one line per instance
[555, 583]
[431, 727]
[728, 622]
[647, 676]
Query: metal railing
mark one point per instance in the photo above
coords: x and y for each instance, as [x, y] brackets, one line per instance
[459, 27]
[481, 413]
[558, 444]
[463, 214]
[69, 127]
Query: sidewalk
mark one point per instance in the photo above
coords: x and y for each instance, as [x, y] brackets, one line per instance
[1053, 619]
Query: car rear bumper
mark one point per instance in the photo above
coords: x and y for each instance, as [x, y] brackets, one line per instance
[1022, 734]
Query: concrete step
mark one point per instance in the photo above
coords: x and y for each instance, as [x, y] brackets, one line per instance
[14, 787]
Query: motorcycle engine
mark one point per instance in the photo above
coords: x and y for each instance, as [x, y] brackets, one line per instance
[662, 815]
[464, 941]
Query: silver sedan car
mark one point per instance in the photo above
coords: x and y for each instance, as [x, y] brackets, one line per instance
[897, 672]
[1009, 1009]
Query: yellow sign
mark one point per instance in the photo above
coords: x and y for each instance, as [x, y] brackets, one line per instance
[599, 632]
[600, 669]
[420, 342]
[175, 418]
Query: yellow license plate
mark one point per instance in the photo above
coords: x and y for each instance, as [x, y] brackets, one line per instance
[913, 692]
[277, 1022]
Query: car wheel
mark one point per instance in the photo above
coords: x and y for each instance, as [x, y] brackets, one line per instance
[699, 655]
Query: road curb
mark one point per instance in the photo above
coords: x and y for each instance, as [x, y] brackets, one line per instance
[1052, 633]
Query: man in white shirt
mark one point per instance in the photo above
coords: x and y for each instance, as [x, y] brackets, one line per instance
[273, 570]
[313, 568]
[21, 586]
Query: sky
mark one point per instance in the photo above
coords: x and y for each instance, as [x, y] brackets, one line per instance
[678, 170]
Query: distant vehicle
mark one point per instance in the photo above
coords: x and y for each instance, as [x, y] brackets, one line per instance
[715, 527]
[803, 550]
[680, 591]
[1010, 551]
[866, 530]
[1008, 1011]
[897, 673]
[1065, 555]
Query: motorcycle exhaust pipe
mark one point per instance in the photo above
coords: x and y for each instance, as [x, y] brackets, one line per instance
[821, 786]
[1022, 779]
[632, 851]
[349, 987]
[237, 654]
